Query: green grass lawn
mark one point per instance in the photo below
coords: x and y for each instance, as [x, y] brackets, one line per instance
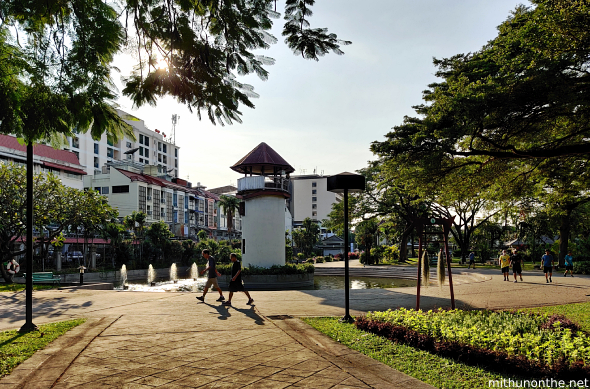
[15, 347]
[19, 287]
[432, 369]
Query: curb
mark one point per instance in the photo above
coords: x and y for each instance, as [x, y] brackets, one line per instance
[44, 368]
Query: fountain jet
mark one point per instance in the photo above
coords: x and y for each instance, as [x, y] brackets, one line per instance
[173, 275]
[194, 271]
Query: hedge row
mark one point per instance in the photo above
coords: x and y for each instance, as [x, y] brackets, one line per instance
[490, 359]
[289, 268]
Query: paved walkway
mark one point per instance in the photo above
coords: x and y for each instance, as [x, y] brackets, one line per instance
[170, 340]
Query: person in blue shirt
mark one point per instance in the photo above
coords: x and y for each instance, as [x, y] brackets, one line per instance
[471, 260]
[569, 264]
[547, 261]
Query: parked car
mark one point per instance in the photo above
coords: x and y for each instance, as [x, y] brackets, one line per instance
[75, 255]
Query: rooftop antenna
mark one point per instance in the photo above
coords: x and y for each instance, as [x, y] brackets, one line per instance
[175, 119]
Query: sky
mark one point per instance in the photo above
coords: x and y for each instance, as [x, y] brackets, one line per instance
[322, 116]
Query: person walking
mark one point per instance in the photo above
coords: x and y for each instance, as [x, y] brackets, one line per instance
[212, 277]
[236, 285]
[569, 264]
[471, 260]
[504, 261]
[516, 262]
[547, 261]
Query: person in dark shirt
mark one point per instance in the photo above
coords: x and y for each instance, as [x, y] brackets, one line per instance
[471, 260]
[547, 261]
[212, 279]
[235, 285]
[516, 262]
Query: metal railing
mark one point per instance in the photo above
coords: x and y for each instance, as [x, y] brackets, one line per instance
[263, 183]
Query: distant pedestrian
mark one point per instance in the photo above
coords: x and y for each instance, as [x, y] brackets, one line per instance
[236, 285]
[504, 261]
[471, 260]
[569, 264]
[212, 278]
[547, 261]
[516, 262]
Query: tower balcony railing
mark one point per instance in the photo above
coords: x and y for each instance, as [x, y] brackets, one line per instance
[263, 183]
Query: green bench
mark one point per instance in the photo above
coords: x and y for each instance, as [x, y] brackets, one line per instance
[45, 277]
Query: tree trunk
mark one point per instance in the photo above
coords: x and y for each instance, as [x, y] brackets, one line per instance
[403, 248]
[564, 234]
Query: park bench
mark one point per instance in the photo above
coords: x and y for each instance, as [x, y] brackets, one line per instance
[45, 277]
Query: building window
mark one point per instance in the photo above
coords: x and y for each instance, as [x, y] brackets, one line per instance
[140, 160]
[156, 201]
[96, 148]
[175, 199]
[76, 143]
[164, 148]
[121, 189]
[314, 206]
[176, 163]
[159, 159]
[141, 138]
[146, 141]
[110, 153]
[314, 184]
[96, 162]
[128, 145]
[98, 190]
[159, 146]
[141, 151]
[105, 190]
[109, 142]
[314, 191]
[314, 214]
[77, 154]
[142, 202]
[168, 207]
[164, 160]
[176, 153]
[314, 199]
[243, 246]
[129, 156]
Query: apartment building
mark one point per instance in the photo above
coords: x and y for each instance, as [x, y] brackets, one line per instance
[222, 230]
[310, 198]
[63, 164]
[151, 147]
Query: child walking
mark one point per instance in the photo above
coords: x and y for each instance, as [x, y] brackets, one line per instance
[235, 285]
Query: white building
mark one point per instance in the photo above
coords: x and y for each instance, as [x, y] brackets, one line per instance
[63, 164]
[310, 198]
[149, 148]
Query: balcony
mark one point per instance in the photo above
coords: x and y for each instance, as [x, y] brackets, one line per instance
[263, 183]
[149, 197]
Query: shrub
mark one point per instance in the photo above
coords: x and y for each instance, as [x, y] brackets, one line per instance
[273, 270]
[538, 337]
[338, 257]
[354, 255]
[328, 258]
[582, 267]
[319, 260]
[301, 256]
[363, 258]
[310, 260]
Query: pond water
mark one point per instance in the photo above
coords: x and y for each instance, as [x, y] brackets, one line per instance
[320, 283]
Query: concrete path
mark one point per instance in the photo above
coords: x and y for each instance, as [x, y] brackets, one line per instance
[170, 340]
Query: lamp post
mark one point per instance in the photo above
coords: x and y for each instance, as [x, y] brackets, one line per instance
[82, 268]
[346, 183]
[29, 326]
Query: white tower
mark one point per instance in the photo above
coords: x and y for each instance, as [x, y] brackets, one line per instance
[263, 191]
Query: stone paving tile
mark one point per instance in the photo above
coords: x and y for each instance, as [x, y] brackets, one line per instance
[167, 364]
[118, 379]
[267, 384]
[195, 380]
[151, 381]
[299, 373]
[316, 381]
[285, 377]
[354, 383]
[262, 371]
[313, 365]
[239, 379]
[177, 373]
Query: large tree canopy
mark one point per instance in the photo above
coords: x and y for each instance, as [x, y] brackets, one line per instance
[519, 103]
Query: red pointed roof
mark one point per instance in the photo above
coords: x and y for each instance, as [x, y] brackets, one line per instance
[262, 160]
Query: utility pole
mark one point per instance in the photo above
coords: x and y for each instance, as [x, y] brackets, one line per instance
[175, 119]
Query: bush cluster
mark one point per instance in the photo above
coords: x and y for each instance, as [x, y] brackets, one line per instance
[549, 342]
[289, 268]
[476, 356]
[582, 267]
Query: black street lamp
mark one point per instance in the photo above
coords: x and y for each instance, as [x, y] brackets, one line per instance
[29, 326]
[346, 183]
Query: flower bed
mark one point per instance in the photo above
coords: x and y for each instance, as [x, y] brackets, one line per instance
[289, 268]
[519, 343]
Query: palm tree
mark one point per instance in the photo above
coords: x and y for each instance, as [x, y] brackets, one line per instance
[229, 204]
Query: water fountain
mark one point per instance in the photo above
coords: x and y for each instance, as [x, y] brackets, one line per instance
[194, 271]
[124, 276]
[151, 276]
[173, 275]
